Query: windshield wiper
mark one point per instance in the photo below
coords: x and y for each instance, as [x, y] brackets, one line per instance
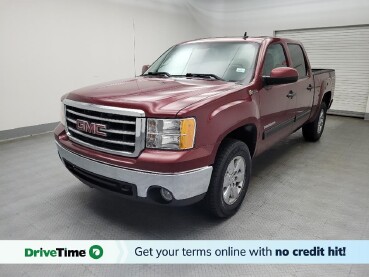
[188, 75]
[158, 74]
[204, 75]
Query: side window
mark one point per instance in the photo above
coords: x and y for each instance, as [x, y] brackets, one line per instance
[274, 58]
[298, 59]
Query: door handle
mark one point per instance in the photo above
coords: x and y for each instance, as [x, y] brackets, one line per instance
[291, 94]
[310, 87]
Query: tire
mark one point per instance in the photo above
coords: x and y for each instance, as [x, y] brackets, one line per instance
[314, 130]
[226, 191]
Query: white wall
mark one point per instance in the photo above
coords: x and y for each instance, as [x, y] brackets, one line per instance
[50, 47]
[263, 17]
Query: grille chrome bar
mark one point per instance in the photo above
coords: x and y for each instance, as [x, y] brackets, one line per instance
[102, 149]
[101, 118]
[109, 130]
[118, 132]
[125, 128]
[101, 139]
[104, 109]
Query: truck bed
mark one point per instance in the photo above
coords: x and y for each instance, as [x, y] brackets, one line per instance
[320, 70]
[323, 79]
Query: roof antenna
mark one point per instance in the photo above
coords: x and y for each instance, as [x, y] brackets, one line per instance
[245, 36]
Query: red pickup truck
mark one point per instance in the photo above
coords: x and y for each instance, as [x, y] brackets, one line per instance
[187, 129]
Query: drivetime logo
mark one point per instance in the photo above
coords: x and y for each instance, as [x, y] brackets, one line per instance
[95, 252]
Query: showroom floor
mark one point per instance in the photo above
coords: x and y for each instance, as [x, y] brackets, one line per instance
[298, 190]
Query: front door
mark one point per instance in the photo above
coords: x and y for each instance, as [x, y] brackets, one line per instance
[277, 102]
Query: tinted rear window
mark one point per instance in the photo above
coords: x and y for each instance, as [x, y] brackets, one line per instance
[298, 59]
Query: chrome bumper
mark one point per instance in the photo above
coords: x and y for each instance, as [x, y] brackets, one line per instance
[183, 185]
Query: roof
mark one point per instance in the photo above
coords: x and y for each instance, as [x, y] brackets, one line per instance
[230, 39]
[259, 39]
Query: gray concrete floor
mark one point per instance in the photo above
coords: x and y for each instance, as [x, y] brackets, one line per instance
[299, 190]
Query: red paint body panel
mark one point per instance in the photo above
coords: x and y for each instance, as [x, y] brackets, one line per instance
[157, 97]
[218, 106]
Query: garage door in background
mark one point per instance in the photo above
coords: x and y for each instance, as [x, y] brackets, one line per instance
[345, 49]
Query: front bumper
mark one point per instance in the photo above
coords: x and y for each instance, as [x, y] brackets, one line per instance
[185, 186]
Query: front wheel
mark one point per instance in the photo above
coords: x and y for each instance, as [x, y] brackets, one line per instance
[230, 179]
[314, 130]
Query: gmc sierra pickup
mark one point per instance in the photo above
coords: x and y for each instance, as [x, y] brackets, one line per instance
[187, 129]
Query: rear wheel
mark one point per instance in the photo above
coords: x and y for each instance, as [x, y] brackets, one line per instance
[314, 130]
[230, 179]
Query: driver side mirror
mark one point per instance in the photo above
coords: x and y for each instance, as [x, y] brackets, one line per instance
[281, 75]
[145, 68]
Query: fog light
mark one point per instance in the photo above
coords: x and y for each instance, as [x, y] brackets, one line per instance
[166, 194]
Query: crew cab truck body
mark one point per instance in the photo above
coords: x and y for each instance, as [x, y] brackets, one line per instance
[187, 129]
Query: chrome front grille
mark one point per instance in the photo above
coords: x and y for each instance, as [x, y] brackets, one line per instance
[108, 129]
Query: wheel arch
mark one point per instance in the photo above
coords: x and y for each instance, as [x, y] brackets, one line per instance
[247, 133]
[327, 98]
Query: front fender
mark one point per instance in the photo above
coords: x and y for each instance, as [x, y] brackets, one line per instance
[219, 118]
[241, 113]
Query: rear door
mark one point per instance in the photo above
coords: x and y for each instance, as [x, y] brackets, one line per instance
[277, 111]
[304, 87]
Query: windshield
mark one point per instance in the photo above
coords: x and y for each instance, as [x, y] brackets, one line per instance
[230, 61]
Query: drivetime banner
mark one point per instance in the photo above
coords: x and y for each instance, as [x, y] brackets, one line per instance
[184, 252]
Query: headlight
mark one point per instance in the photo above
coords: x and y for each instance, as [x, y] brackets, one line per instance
[62, 114]
[177, 134]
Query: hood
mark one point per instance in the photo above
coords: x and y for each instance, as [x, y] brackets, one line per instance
[156, 96]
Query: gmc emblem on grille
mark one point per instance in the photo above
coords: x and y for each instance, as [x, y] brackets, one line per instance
[90, 127]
